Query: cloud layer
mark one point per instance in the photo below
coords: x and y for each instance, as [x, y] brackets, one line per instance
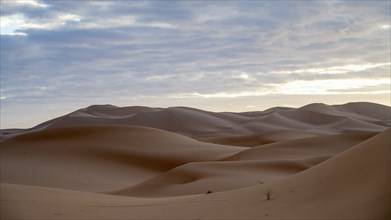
[65, 54]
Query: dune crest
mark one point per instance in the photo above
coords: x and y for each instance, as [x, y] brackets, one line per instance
[318, 161]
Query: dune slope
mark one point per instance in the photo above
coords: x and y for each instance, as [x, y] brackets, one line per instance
[101, 157]
[340, 188]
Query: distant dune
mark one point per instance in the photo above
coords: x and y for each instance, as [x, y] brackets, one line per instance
[106, 162]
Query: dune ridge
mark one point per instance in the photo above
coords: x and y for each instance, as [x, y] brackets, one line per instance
[319, 161]
[194, 123]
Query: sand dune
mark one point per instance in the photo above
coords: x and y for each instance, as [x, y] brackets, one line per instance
[249, 167]
[107, 162]
[192, 122]
[71, 157]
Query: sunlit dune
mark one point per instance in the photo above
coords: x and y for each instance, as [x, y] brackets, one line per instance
[107, 162]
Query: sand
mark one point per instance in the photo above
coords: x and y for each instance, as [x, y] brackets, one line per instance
[107, 162]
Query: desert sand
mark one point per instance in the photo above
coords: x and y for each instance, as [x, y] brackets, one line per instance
[106, 162]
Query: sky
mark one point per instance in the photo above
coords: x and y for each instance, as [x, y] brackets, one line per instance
[58, 56]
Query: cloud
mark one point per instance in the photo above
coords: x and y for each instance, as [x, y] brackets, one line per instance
[17, 23]
[112, 51]
[334, 86]
[336, 69]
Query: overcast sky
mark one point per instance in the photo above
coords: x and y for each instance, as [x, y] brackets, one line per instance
[58, 56]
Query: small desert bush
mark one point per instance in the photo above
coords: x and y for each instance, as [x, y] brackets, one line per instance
[268, 193]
